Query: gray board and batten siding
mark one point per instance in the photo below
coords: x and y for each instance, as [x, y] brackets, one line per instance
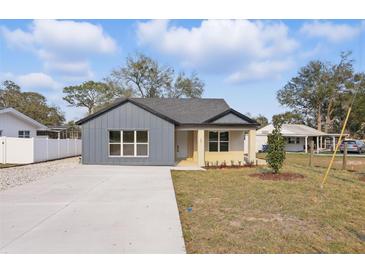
[128, 116]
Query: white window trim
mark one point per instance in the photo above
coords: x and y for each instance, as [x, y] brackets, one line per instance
[219, 140]
[134, 143]
[296, 140]
[23, 130]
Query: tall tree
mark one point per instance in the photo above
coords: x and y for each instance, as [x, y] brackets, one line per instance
[91, 95]
[356, 96]
[10, 94]
[307, 92]
[147, 78]
[341, 82]
[319, 92]
[31, 104]
[262, 120]
[289, 117]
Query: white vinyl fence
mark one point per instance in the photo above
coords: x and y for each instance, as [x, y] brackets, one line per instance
[32, 150]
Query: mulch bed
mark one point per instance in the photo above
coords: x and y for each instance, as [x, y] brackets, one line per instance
[229, 167]
[284, 176]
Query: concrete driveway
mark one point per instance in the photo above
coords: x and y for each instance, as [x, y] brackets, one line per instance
[93, 209]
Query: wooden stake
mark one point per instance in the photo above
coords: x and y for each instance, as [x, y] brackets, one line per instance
[344, 159]
[336, 148]
[311, 153]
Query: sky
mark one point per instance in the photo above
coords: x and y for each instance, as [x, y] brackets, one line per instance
[243, 61]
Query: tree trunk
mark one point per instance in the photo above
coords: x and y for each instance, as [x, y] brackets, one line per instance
[319, 119]
[328, 121]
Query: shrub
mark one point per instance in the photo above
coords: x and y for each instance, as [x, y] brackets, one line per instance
[276, 153]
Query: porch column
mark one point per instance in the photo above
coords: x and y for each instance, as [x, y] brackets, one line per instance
[333, 143]
[306, 144]
[321, 142]
[317, 144]
[252, 146]
[201, 148]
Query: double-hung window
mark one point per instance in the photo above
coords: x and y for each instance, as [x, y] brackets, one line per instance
[218, 141]
[128, 143]
[293, 140]
[24, 134]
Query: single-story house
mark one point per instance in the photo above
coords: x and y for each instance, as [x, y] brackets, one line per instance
[16, 124]
[298, 138]
[165, 131]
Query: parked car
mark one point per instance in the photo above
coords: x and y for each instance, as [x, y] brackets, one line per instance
[357, 146]
[264, 148]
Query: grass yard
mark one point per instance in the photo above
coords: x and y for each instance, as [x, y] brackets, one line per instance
[6, 165]
[354, 161]
[228, 211]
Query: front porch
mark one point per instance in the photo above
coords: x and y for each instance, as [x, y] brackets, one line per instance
[215, 145]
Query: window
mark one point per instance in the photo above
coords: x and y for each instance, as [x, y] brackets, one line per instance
[23, 134]
[1, 133]
[218, 141]
[293, 140]
[128, 143]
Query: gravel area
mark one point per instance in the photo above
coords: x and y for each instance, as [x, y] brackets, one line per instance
[14, 176]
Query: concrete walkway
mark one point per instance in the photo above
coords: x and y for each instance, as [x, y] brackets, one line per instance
[93, 209]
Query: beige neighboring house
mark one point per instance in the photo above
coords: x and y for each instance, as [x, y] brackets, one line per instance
[298, 138]
[16, 124]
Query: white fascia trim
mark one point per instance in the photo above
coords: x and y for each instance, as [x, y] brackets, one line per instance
[24, 117]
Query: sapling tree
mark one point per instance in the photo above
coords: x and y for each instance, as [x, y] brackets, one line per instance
[276, 153]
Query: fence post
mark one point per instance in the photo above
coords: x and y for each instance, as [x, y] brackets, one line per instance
[311, 153]
[3, 149]
[33, 150]
[47, 145]
[75, 147]
[344, 159]
[58, 148]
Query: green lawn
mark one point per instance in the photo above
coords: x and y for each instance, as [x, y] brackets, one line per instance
[232, 212]
[354, 161]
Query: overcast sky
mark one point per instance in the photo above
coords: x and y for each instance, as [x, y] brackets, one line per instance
[242, 61]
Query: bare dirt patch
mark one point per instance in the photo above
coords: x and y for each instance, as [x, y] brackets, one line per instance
[284, 176]
[362, 178]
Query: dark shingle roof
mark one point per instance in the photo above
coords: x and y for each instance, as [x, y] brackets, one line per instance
[185, 110]
[177, 110]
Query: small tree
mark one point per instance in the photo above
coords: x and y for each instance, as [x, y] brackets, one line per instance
[276, 153]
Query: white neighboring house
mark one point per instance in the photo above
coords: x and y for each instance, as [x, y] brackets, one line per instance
[19, 143]
[16, 124]
[298, 137]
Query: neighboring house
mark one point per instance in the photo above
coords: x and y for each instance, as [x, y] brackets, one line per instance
[163, 131]
[15, 124]
[298, 138]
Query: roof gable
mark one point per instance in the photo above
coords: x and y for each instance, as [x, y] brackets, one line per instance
[23, 117]
[120, 102]
[231, 116]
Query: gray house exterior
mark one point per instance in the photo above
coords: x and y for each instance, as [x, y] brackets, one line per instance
[162, 131]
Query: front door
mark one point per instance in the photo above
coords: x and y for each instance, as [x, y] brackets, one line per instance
[181, 144]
